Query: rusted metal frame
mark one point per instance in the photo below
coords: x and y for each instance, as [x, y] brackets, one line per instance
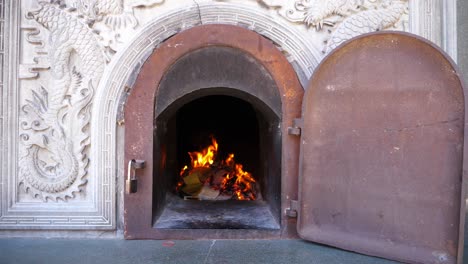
[139, 123]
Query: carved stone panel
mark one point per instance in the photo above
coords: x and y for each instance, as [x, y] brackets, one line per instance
[3, 73]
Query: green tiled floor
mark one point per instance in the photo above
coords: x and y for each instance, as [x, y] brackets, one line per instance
[51, 251]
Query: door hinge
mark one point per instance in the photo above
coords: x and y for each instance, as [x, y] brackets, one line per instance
[293, 208]
[296, 128]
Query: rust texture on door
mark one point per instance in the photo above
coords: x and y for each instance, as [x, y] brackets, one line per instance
[382, 151]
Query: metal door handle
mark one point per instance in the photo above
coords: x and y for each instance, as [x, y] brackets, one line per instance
[132, 181]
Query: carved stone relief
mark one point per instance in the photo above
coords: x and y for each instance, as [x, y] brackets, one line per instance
[345, 19]
[54, 127]
[55, 136]
[3, 72]
[109, 17]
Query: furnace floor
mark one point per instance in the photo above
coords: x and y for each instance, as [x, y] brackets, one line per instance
[231, 214]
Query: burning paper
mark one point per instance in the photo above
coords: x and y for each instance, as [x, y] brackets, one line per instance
[207, 178]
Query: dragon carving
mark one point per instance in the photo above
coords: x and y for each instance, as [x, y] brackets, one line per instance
[52, 165]
[366, 22]
[110, 18]
[55, 122]
[114, 13]
[345, 19]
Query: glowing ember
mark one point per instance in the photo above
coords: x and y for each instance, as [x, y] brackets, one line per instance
[212, 179]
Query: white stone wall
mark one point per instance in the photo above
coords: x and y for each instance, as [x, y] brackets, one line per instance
[68, 65]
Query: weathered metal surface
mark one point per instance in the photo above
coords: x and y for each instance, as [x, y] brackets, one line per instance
[139, 126]
[238, 100]
[382, 151]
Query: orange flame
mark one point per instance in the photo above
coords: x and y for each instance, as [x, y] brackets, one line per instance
[206, 157]
[202, 159]
[236, 181]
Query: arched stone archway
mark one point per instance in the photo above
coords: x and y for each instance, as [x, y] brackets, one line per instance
[119, 77]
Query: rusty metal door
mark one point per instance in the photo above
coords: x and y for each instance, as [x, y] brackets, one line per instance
[382, 151]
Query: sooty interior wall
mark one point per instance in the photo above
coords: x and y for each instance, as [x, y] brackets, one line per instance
[219, 77]
[231, 121]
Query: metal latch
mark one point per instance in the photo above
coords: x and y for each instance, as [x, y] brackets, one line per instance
[132, 182]
[296, 128]
[293, 208]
